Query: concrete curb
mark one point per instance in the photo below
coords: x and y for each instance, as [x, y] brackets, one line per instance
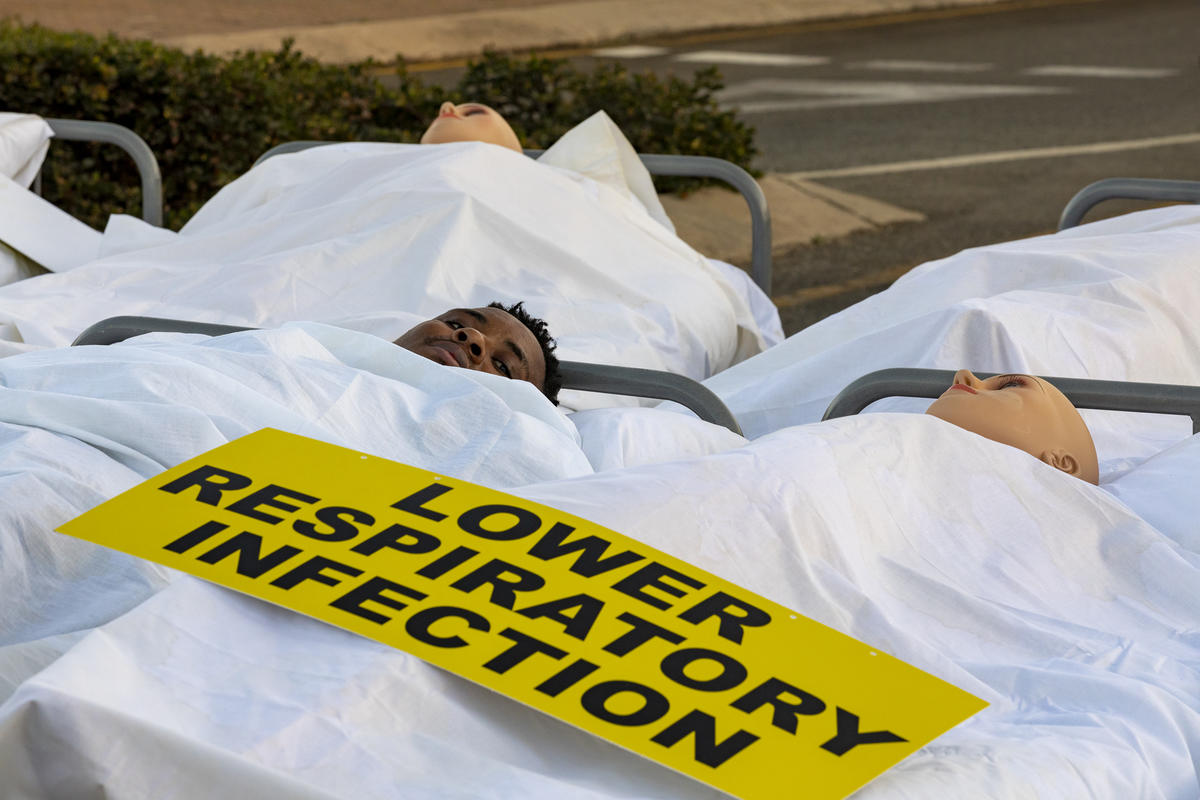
[716, 221]
[556, 25]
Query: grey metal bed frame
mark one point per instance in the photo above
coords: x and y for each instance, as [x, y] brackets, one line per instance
[1153, 398]
[673, 166]
[1153, 189]
[576, 374]
[111, 133]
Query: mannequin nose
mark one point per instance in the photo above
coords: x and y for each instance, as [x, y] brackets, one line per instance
[967, 378]
[473, 341]
[447, 109]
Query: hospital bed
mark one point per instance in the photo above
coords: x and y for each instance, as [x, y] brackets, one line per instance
[76, 130]
[1153, 398]
[666, 165]
[1035, 595]
[335, 246]
[575, 374]
[37, 236]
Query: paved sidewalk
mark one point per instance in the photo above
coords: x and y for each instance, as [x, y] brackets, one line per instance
[560, 24]
[717, 222]
[351, 30]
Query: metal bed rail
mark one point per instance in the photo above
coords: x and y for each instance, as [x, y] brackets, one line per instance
[1151, 398]
[651, 383]
[143, 157]
[579, 375]
[669, 166]
[1152, 189]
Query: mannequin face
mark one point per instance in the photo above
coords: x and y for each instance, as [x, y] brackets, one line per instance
[1025, 412]
[483, 339]
[470, 122]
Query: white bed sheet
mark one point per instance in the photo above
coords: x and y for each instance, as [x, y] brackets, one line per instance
[79, 425]
[1042, 594]
[342, 232]
[1071, 608]
[24, 141]
[1114, 300]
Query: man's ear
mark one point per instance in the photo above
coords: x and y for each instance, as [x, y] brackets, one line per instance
[1061, 459]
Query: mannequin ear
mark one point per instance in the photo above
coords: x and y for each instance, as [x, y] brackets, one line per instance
[1061, 459]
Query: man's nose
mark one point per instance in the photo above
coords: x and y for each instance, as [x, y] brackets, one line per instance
[474, 342]
[447, 109]
[967, 378]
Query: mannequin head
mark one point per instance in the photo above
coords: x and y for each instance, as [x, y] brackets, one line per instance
[502, 340]
[470, 122]
[1023, 411]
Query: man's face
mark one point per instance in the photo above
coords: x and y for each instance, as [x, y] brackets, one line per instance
[470, 122]
[483, 339]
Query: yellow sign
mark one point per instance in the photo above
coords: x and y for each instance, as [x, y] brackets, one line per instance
[592, 627]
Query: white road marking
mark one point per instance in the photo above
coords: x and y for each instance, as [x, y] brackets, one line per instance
[1000, 156]
[897, 65]
[808, 94]
[630, 51]
[751, 59]
[1080, 71]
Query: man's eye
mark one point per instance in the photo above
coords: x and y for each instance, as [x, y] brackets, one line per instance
[453, 324]
[473, 111]
[1012, 382]
[502, 368]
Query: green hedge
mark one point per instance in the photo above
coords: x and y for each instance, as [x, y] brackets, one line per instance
[208, 118]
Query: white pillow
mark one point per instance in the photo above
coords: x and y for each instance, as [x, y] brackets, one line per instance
[597, 148]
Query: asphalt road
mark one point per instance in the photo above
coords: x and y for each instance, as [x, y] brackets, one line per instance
[1001, 110]
[851, 104]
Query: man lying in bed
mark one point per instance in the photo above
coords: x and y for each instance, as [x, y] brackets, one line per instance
[503, 340]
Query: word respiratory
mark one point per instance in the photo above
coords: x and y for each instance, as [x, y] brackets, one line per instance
[595, 628]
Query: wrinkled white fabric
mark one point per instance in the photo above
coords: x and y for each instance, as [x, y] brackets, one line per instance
[24, 141]
[1040, 593]
[30, 228]
[344, 231]
[1071, 608]
[596, 148]
[1162, 490]
[43, 233]
[614, 438]
[154, 402]
[79, 425]
[1115, 299]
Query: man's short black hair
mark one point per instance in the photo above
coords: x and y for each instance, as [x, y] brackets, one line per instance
[541, 332]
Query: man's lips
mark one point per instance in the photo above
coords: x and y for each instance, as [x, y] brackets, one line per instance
[449, 353]
[963, 387]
